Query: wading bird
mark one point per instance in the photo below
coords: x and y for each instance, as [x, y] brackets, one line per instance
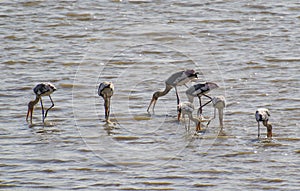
[43, 89]
[199, 90]
[106, 90]
[263, 114]
[219, 103]
[187, 108]
[176, 79]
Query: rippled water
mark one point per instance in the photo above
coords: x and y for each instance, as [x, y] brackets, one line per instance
[249, 48]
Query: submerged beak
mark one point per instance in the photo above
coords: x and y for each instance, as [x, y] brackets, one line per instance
[153, 101]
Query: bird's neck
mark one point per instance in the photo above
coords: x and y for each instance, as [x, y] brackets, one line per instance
[107, 101]
[269, 128]
[220, 111]
[266, 123]
[166, 90]
[190, 98]
[31, 104]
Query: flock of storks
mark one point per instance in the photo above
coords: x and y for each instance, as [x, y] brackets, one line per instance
[106, 91]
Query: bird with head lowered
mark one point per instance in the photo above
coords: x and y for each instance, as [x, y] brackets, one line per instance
[42, 89]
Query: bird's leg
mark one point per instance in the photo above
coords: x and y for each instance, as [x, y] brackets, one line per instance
[200, 108]
[258, 130]
[206, 102]
[49, 107]
[198, 126]
[177, 96]
[207, 96]
[43, 117]
[178, 114]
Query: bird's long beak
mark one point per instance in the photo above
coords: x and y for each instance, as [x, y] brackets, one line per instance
[198, 126]
[29, 113]
[269, 131]
[153, 101]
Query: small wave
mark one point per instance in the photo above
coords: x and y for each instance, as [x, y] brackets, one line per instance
[282, 59]
[125, 138]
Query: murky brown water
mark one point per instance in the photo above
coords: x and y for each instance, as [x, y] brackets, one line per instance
[249, 48]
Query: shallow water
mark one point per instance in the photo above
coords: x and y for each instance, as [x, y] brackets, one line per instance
[249, 48]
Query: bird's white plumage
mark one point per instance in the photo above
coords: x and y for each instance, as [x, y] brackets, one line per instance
[262, 114]
[106, 88]
[181, 78]
[199, 89]
[219, 102]
[186, 108]
[44, 89]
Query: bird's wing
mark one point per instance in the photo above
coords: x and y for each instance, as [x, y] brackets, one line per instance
[104, 85]
[200, 88]
[176, 78]
[101, 87]
[42, 88]
[191, 74]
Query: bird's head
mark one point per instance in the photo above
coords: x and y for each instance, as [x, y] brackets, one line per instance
[192, 74]
[53, 88]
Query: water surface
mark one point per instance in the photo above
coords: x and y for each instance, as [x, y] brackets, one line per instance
[249, 48]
